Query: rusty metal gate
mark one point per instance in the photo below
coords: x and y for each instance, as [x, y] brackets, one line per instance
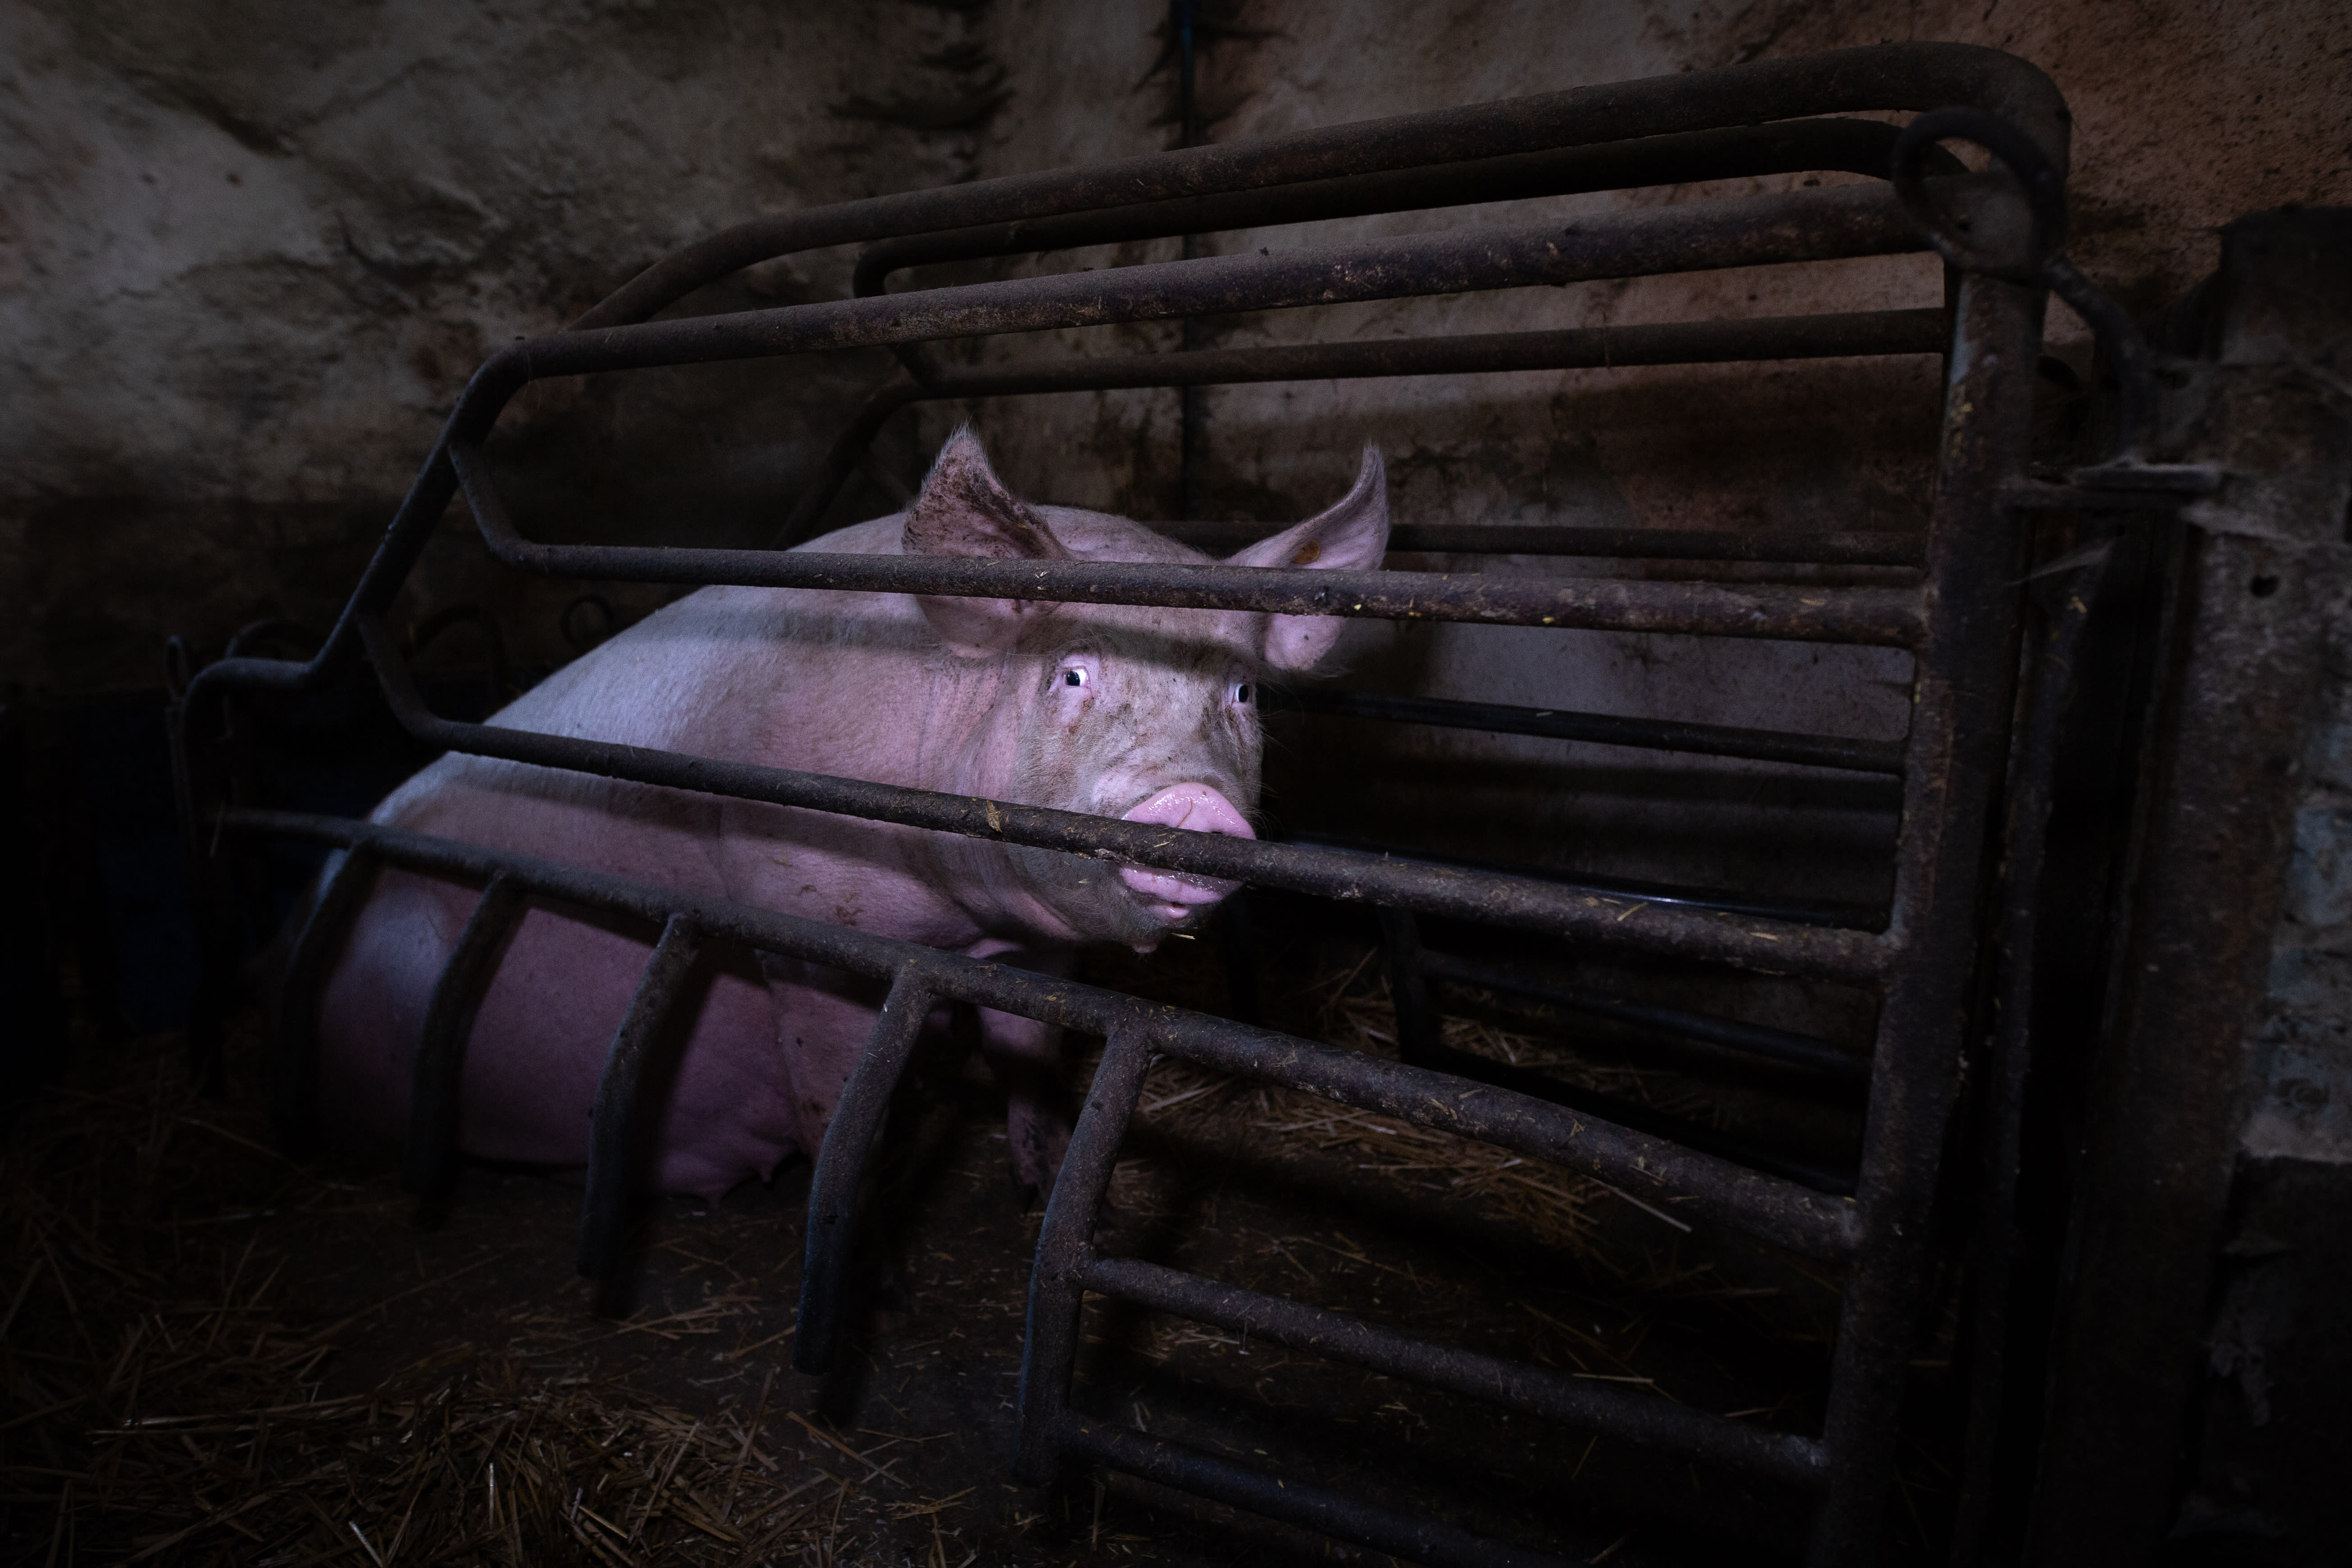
[1998, 232]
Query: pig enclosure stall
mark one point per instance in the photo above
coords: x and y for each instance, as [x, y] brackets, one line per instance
[1849, 975]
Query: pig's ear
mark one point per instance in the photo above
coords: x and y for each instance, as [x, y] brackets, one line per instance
[965, 509]
[1351, 536]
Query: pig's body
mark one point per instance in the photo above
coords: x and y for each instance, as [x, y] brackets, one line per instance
[1111, 709]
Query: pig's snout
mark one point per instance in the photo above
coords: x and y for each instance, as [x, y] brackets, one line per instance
[1196, 808]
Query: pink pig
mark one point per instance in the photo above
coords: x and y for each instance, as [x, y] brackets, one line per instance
[1116, 711]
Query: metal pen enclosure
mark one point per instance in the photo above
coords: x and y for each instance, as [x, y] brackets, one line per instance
[1961, 622]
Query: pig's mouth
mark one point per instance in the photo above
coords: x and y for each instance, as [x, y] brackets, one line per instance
[1171, 896]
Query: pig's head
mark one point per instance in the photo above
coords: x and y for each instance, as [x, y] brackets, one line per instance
[1119, 710]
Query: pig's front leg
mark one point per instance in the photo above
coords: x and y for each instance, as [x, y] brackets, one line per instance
[1026, 1057]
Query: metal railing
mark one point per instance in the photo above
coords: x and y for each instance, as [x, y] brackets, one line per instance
[1960, 621]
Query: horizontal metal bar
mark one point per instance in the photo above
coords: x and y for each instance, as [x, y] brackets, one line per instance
[1899, 551]
[1855, 146]
[1750, 1040]
[1888, 76]
[1623, 889]
[1870, 334]
[1777, 1211]
[1648, 1419]
[1773, 946]
[1602, 729]
[1819, 224]
[1413, 1536]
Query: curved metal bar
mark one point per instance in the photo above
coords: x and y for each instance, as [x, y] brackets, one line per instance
[434, 1106]
[842, 1164]
[1887, 77]
[1751, 941]
[294, 1046]
[614, 1124]
[1064, 1242]
[1778, 1212]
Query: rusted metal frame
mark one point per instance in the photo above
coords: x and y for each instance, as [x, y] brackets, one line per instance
[1778, 1212]
[1741, 942]
[1887, 77]
[1878, 617]
[1597, 729]
[1776, 1046]
[1853, 146]
[2264, 573]
[2025, 839]
[294, 1039]
[1960, 716]
[1643, 1418]
[839, 1182]
[435, 1104]
[1856, 334]
[615, 1137]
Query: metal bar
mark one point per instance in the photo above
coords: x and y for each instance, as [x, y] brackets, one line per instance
[842, 1164]
[1819, 224]
[1050, 1345]
[1625, 890]
[1412, 1536]
[1751, 941]
[1750, 1040]
[1855, 146]
[1960, 716]
[1649, 1419]
[1883, 616]
[1779, 1212]
[294, 1044]
[1600, 728]
[1416, 1023]
[615, 1130]
[1888, 76]
[1901, 551]
[2025, 841]
[1863, 334]
[434, 1106]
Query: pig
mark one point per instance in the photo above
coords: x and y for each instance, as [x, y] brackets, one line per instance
[1142, 713]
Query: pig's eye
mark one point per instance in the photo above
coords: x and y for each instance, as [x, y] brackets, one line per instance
[1244, 692]
[1073, 676]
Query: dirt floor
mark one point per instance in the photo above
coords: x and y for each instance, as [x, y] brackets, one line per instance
[211, 1355]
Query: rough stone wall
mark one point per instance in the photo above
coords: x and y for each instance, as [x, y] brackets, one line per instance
[250, 252]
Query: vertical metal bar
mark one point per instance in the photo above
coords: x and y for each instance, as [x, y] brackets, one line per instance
[294, 1044]
[2264, 577]
[1243, 1003]
[612, 1122]
[2025, 839]
[1182, 16]
[441, 1050]
[841, 1162]
[1416, 1021]
[1065, 1240]
[1960, 726]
